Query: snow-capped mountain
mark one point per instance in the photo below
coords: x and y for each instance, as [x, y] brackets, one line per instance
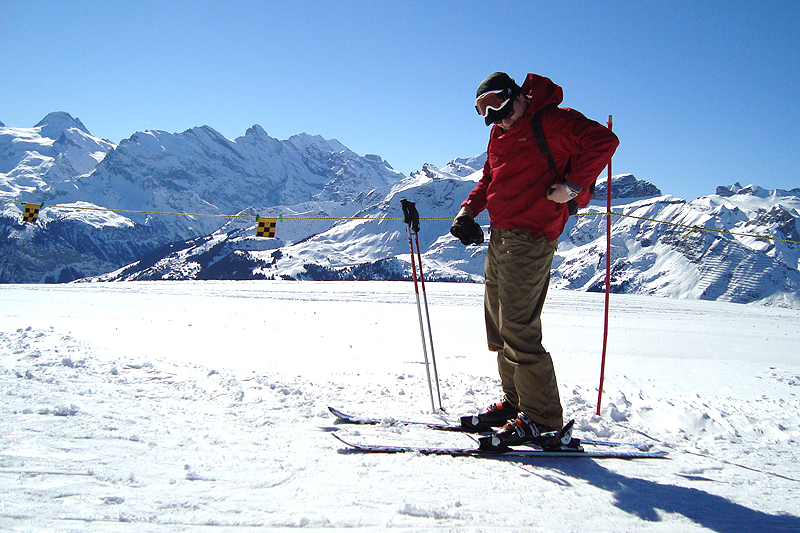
[40, 162]
[368, 246]
[680, 262]
[198, 172]
[342, 219]
[647, 257]
[201, 172]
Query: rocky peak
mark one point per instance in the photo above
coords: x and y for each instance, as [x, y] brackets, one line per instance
[625, 186]
[55, 124]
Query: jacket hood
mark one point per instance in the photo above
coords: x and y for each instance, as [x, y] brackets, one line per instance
[542, 91]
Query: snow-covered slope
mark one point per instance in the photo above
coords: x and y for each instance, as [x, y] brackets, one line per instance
[202, 406]
[648, 257]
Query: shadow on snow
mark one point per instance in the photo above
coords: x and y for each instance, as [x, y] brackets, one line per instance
[643, 499]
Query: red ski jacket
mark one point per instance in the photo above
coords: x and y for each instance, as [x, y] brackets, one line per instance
[517, 177]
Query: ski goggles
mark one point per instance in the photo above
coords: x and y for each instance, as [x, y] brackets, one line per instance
[493, 101]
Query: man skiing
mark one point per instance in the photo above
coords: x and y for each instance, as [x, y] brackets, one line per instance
[526, 192]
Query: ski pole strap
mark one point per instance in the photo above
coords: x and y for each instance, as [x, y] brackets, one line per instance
[410, 215]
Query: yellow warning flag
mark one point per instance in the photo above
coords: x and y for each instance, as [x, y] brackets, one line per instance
[31, 213]
[266, 227]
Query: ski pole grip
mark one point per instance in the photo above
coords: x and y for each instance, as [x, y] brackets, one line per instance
[410, 215]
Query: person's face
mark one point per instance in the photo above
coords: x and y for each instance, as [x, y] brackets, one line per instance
[520, 105]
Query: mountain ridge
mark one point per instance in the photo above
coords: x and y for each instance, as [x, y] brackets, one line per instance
[324, 192]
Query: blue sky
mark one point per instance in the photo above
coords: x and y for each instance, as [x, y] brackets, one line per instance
[703, 93]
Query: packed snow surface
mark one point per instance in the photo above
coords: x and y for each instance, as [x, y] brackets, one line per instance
[178, 406]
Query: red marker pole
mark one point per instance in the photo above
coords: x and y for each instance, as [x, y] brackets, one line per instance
[608, 281]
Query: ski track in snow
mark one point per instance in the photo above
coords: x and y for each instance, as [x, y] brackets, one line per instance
[124, 410]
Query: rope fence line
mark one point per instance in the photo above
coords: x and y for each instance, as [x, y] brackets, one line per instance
[281, 218]
[692, 229]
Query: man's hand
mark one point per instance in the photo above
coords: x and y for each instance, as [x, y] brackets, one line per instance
[561, 193]
[465, 229]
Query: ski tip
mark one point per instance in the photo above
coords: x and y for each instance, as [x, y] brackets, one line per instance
[340, 439]
[351, 419]
[349, 447]
[341, 415]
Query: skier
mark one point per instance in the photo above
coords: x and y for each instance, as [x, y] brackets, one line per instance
[527, 200]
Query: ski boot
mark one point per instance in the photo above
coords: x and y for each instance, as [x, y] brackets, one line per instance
[495, 415]
[522, 430]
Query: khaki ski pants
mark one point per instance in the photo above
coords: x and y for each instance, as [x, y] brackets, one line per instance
[517, 274]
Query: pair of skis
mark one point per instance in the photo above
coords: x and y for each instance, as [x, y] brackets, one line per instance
[599, 449]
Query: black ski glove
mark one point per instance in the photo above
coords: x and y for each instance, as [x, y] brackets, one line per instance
[466, 230]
